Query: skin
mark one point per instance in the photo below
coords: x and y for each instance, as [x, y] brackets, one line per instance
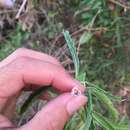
[6, 3]
[24, 67]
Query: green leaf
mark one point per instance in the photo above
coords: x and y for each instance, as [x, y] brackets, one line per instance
[85, 38]
[103, 121]
[109, 124]
[121, 127]
[89, 111]
[73, 52]
[81, 76]
[124, 119]
[81, 127]
[109, 95]
[106, 102]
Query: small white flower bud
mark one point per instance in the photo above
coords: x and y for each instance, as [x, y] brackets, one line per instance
[76, 92]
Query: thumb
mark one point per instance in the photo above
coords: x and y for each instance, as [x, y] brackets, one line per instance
[55, 114]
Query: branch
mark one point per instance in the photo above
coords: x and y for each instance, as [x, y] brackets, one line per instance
[120, 4]
[21, 8]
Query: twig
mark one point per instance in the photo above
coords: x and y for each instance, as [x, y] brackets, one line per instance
[8, 11]
[120, 4]
[88, 29]
[82, 30]
[84, 10]
[21, 8]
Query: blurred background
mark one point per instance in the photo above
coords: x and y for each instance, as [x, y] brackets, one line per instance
[99, 28]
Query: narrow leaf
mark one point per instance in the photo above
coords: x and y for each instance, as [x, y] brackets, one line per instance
[107, 103]
[85, 38]
[101, 120]
[89, 111]
[73, 52]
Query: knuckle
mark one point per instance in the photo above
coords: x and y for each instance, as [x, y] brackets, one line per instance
[52, 125]
[19, 62]
[56, 61]
[19, 51]
[5, 122]
[22, 59]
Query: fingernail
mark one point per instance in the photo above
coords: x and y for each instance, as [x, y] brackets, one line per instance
[76, 103]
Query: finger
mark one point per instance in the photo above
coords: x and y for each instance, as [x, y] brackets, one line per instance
[55, 114]
[31, 71]
[23, 52]
[9, 107]
[4, 122]
[44, 73]
[6, 3]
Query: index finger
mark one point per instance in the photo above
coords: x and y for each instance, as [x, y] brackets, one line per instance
[33, 71]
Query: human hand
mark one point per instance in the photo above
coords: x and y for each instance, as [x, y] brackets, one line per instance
[30, 67]
[7, 3]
